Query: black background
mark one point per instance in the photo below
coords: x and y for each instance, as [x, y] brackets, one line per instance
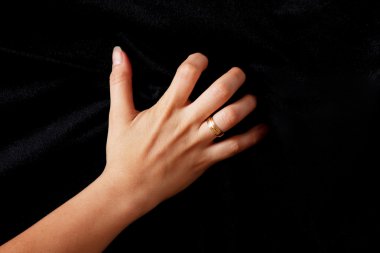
[310, 186]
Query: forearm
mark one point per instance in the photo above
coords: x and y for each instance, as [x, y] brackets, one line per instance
[88, 222]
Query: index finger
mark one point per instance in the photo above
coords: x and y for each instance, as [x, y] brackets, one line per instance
[185, 79]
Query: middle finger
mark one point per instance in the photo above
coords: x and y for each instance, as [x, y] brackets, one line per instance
[217, 94]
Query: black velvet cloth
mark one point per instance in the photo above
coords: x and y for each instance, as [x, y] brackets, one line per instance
[310, 186]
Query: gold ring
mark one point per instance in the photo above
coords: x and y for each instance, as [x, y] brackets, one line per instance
[214, 128]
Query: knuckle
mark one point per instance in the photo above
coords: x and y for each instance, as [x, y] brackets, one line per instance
[188, 120]
[164, 111]
[231, 116]
[187, 69]
[222, 90]
[201, 163]
[234, 146]
[117, 77]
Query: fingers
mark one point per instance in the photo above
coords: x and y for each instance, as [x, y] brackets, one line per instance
[185, 79]
[217, 94]
[122, 106]
[236, 144]
[229, 116]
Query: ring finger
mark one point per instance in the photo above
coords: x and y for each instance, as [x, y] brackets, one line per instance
[229, 116]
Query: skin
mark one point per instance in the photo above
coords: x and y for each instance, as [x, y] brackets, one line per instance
[142, 148]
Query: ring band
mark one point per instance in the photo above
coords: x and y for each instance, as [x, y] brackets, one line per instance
[214, 128]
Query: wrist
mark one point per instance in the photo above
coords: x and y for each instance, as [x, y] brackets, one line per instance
[125, 196]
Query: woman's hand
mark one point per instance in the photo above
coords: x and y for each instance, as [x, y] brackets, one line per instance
[151, 156]
[154, 154]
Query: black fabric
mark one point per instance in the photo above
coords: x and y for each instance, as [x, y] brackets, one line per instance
[314, 65]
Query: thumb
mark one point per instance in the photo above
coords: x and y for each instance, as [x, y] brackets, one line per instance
[122, 106]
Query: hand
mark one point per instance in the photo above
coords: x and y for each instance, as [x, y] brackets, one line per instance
[158, 152]
[151, 155]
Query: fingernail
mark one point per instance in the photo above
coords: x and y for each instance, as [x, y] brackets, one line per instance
[117, 57]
